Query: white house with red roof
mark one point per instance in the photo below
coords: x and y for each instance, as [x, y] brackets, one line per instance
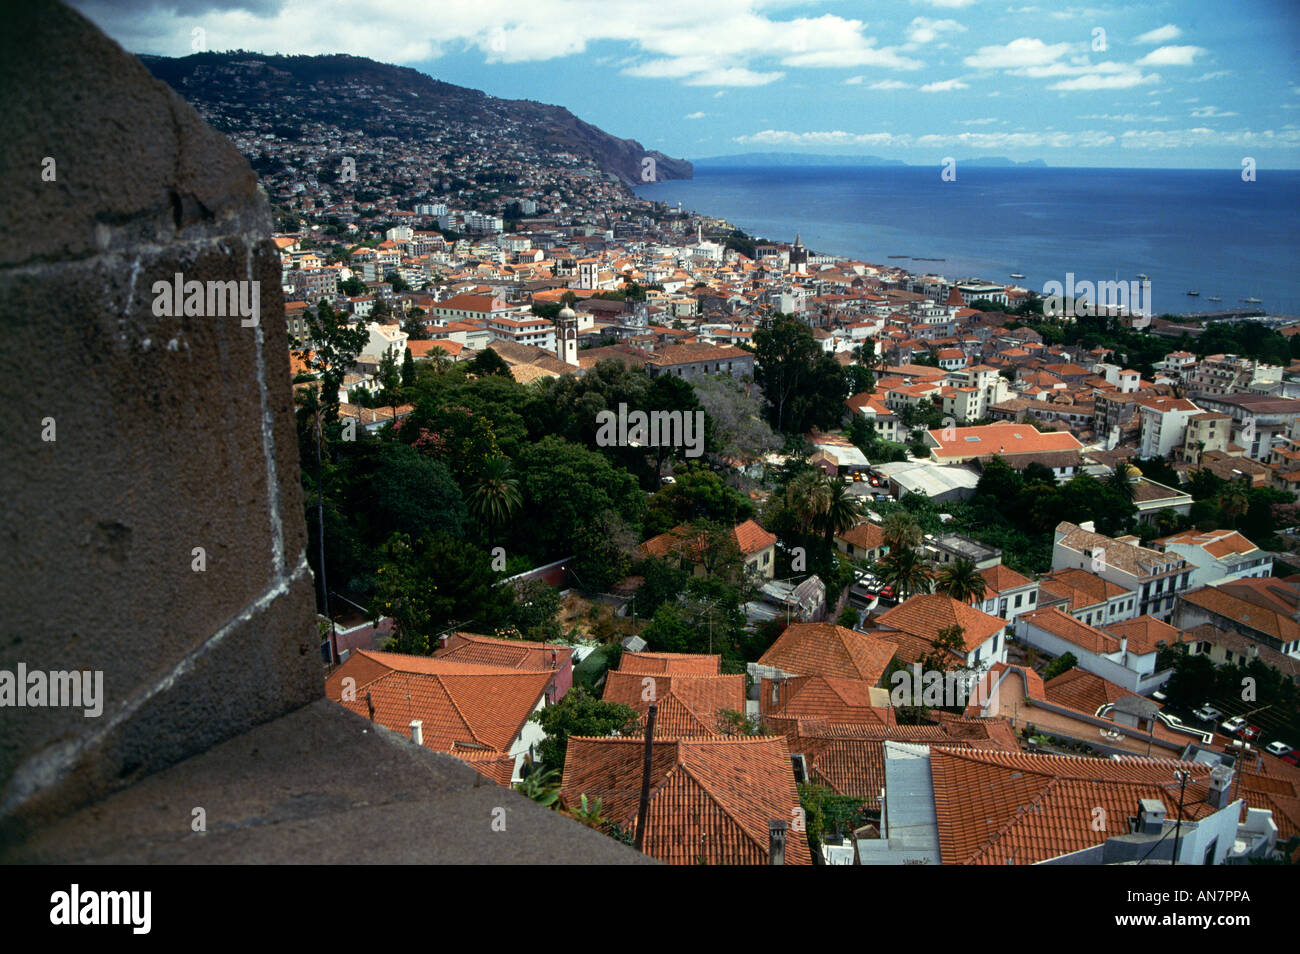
[1218, 556]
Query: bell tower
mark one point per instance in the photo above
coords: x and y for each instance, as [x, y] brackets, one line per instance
[566, 336]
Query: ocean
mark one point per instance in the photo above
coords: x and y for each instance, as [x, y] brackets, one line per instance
[1190, 230]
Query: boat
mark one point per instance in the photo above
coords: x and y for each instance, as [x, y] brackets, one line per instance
[1253, 301]
[1017, 275]
[1194, 294]
[1214, 298]
[1144, 276]
[900, 256]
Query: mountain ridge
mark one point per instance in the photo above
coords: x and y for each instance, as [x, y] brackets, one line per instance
[271, 75]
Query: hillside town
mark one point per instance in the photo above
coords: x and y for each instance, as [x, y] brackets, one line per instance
[946, 573]
[1094, 661]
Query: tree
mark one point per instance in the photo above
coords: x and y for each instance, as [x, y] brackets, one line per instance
[495, 496]
[1118, 482]
[488, 362]
[1059, 665]
[434, 583]
[804, 385]
[808, 495]
[904, 569]
[698, 493]
[334, 348]
[962, 581]
[579, 714]
[390, 380]
[839, 510]
[735, 412]
[901, 530]
[408, 369]
[948, 645]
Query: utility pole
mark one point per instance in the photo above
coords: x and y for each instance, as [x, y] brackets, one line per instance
[644, 806]
[1182, 775]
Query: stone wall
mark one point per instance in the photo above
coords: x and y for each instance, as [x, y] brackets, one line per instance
[131, 438]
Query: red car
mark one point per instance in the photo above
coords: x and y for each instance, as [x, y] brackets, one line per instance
[888, 593]
[1291, 758]
[1251, 733]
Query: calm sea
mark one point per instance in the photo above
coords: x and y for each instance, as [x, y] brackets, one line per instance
[1197, 230]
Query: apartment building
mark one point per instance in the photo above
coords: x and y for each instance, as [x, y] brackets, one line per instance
[1156, 579]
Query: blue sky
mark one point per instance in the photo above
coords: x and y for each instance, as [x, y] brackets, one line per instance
[1179, 84]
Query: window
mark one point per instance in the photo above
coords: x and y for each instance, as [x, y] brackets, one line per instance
[1033, 597]
[1019, 597]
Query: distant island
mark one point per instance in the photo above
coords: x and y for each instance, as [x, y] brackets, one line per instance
[756, 159]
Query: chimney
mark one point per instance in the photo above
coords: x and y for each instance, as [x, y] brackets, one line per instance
[417, 732]
[776, 841]
[1220, 786]
[1150, 817]
[1123, 649]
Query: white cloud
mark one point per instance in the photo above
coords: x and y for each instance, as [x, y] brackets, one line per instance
[696, 115]
[1125, 79]
[948, 4]
[925, 30]
[890, 84]
[1171, 56]
[733, 76]
[1217, 74]
[944, 86]
[1160, 35]
[977, 122]
[1126, 118]
[1023, 52]
[1209, 112]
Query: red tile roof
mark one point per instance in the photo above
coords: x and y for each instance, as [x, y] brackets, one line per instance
[823, 649]
[710, 799]
[508, 653]
[1017, 808]
[1066, 627]
[825, 698]
[928, 613]
[671, 663]
[464, 707]
[1081, 690]
[687, 705]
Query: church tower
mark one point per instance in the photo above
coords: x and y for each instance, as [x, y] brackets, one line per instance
[566, 336]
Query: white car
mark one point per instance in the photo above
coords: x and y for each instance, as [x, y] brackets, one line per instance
[1207, 713]
[1233, 725]
[1277, 748]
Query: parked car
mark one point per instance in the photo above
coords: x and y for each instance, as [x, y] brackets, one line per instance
[1234, 725]
[1251, 733]
[1207, 713]
[889, 593]
[1280, 749]
[1292, 758]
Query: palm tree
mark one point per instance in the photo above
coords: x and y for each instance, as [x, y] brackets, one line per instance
[905, 571]
[901, 531]
[495, 495]
[440, 359]
[962, 581]
[807, 496]
[1119, 481]
[841, 510]
[1234, 500]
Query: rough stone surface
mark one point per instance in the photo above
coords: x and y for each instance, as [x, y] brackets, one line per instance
[171, 433]
[319, 786]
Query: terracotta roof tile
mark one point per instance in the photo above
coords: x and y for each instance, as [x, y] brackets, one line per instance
[928, 613]
[671, 663]
[823, 649]
[710, 799]
[687, 705]
[1018, 808]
